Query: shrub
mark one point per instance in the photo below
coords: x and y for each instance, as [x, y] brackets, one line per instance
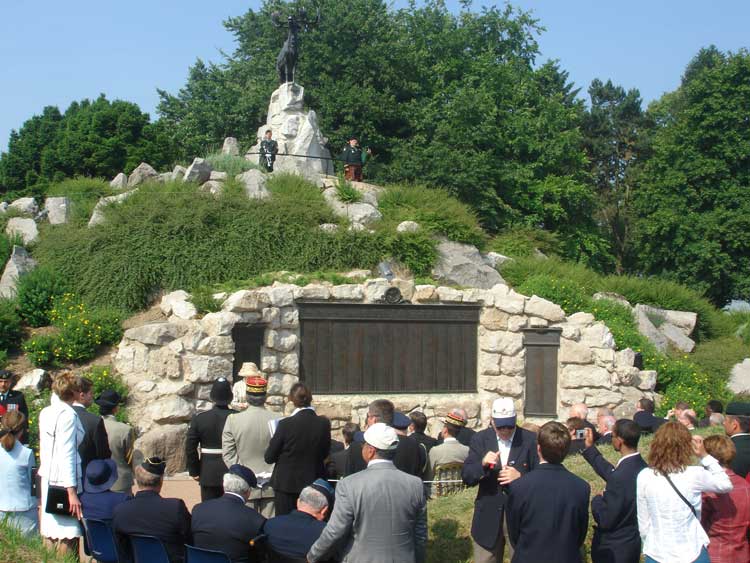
[104, 378]
[40, 350]
[346, 192]
[521, 242]
[35, 293]
[36, 403]
[84, 193]
[417, 251]
[295, 193]
[571, 296]
[11, 331]
[109, 323]
[232, 165]
[619, 320]
[3, 359]
[434, 209]
[203, 299]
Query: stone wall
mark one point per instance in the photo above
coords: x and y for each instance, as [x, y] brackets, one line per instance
[169, 366]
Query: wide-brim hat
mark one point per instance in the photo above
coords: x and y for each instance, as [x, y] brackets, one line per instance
[109, 399]
[101, 474]
[504, 412]
[221, 392]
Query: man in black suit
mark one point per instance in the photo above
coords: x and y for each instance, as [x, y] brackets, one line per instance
[299, 448]
[712, 407]
[644, 416]
[411, 464]
[616, 537]
[606, 425]
[204, 435]
[737, 427]
[497, 456]
[336, 466]
[580, 410]
[148, 514]
[418, 426]
[95, 444]
[548, 511]
[13, 400]
[226, 524]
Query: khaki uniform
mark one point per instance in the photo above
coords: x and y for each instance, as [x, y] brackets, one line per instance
[121, 437]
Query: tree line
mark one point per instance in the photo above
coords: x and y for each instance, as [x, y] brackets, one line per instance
[457, 100]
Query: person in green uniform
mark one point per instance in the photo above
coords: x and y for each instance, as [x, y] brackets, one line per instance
[353, 159]
[268, 151]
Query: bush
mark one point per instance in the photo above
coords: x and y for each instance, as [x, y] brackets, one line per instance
[232, 165]
[417, 251]
[435, 210]
[84, 193]
[346, 192]
[11, 331]
[203, 299]
[571, 296]
[619, 320]
[35, 293]
[104, 378]
[82, 329]
[40, 350]
[3, 359]
[521, 242]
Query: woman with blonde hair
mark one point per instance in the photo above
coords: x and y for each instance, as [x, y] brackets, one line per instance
[17, 506]
[60, 434]
[669, 496]
[726, 518]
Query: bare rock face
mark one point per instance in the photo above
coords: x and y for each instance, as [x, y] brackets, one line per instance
[143, 173]
[666, 329]
[230, 147]
[33, 381]
[199, 171]
[178, 173]
[19, 263]
[24, 227]
[97, 217]
[167, 442]
[58, 210]
[255, 184]
[739, 380]
[119, 182]
[26, 205]
[462, 264]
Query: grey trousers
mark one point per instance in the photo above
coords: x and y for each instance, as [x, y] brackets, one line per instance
[262, 500]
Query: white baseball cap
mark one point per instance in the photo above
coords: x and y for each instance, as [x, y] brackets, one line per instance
[504, 412]
[381, 437]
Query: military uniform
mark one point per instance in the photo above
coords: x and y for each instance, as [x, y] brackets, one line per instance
[268, 151]
[353, 159]
[14, 400]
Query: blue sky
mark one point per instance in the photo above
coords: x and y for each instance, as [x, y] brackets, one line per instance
[53, 52]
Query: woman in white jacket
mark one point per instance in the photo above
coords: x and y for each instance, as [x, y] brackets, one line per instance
[60, 434]
[669, 496]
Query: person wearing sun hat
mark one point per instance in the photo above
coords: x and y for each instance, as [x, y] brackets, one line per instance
[226, 524]
[246, 437]
[121, 438]
[450, 450]
[149, 514]
[203, 451]
[497, 456]
[98, 499]
[380, 513]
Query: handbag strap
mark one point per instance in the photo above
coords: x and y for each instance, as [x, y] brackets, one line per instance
[52, 453]
[686, 501]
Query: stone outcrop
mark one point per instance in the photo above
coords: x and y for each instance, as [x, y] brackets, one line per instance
[254, 182]
[144, 172]
[666, 329]
[360, 213]
[199, 171]
[297, 132]
[97, 216]
[24, 227]
[119, 182]
[58, 210]
[739, 379]
[178, 173]
[25, 205]
[462, 264]
[33, 381]
[19, 263]
[178, 304]
[230, 147]
[407, 227]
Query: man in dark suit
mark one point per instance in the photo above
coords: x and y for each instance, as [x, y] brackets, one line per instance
[226, 524]
[737, 427]
[606, 425]
[204, 435]
[548, 511]
[580, 410]
[13, 400]
[418, 426]
[616, 537]
[299, 448]
[497, 456]
[413, 456]
[336, 466]
[644, 416]
[95, 444]
[292, 535]
[712, 407]
[151, 515]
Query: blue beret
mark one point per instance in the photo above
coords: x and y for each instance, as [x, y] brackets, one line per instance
[400, 421]
[245, 473]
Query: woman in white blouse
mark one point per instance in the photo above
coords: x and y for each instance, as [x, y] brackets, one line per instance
[60, 434]
[669, 496]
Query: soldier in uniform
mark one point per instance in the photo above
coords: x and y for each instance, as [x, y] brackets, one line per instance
[245, 440]
[353, 159]
[268, 151]
[13, 400]
[204, 436]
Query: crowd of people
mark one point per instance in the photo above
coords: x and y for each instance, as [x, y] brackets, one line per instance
[280, 487]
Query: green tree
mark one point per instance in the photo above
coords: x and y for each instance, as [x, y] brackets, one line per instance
[692, 211]
[614, 129]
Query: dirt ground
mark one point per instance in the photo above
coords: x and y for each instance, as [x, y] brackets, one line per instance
[184, 488]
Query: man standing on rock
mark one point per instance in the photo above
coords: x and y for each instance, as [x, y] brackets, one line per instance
[245, 439]
[353, 159]
[268, 151]
[204, 436]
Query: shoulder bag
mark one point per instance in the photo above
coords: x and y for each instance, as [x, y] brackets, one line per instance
[57, 496]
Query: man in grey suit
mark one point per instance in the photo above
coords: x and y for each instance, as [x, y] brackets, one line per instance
[121, 437]
[245, 438]
[451, 450]
[380, 513]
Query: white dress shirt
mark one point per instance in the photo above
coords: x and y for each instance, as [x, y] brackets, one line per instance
[503, 447]
[670, 532]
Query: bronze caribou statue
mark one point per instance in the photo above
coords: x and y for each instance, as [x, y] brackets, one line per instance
[286, 62]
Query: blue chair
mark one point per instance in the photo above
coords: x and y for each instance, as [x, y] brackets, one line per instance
[101, 540]
[198, 555]
[148, 549]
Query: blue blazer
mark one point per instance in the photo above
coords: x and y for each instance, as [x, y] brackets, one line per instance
[548, 515]
[489, 505]
[100, 506]
[226, 524]
[616, 537]
[293, 534]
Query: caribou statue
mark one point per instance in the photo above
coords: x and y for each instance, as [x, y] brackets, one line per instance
[286, 62]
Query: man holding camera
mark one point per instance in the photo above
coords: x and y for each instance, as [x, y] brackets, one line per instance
[498, 455]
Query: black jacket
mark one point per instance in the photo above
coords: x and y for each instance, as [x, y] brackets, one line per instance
[299, 448]
[647, 421]
[149, 514]
[95, 444]
[336, 466]
[427, 441]
[489, 505]
[226, 524]
[351, 155]
[464, 436]
[205, 432]
[605, 439]
[13, 397]
[616, 537]
[293, 534]
[741, 463]
[548, 515]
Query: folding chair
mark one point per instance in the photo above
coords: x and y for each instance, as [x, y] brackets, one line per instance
[448, 472]
[199, 555]
[148, 549]
[101, 540]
